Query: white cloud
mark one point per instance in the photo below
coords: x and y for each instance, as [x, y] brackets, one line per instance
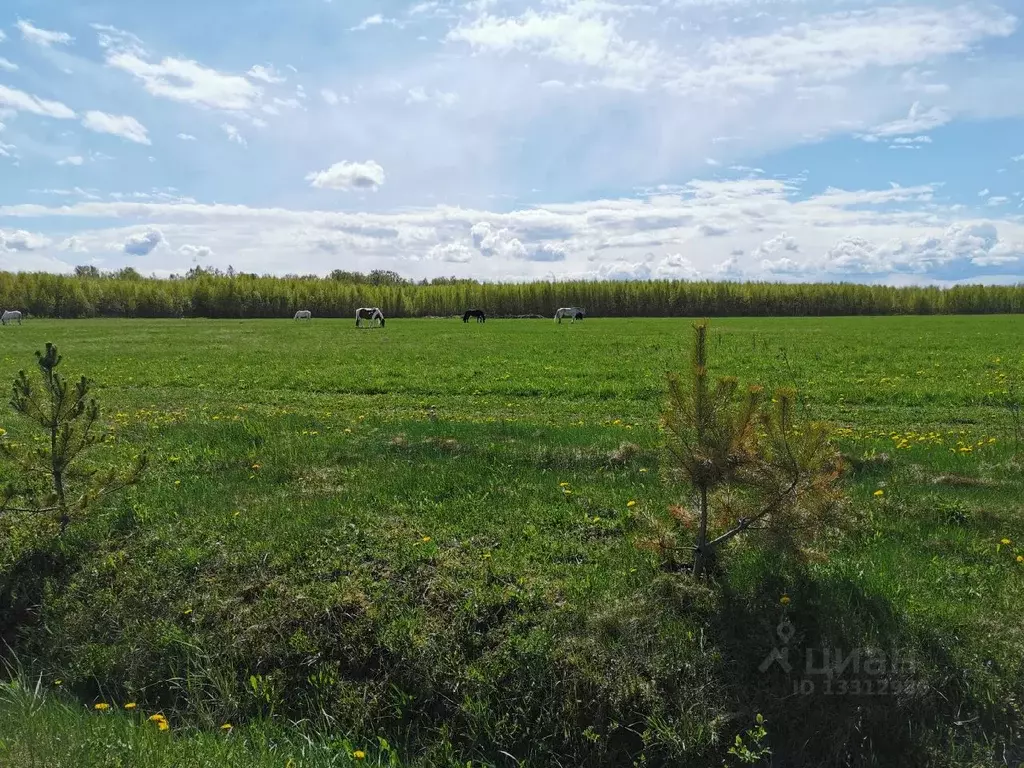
[24, 102]
[117, 125]
[267, 74]
[195, 252]
[8, 66]
[233, 135]
[20, 240]
[456, 253]
[143, 243]
[186, 137]
[983, 193]
[1018, 158]
[998, 200]
[371, 21]
[188, 81]
[329, 96]
[43, 37]
[917, 121]
[347, 176]
[72, 160]
[770, 232]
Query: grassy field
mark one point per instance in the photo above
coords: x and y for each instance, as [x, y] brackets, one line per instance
[424, 534]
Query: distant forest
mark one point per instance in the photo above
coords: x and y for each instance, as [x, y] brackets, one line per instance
[230, 294]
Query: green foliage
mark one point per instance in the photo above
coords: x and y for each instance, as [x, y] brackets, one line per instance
[50, 482]
[751, 750]
[204, 292]
[748, 462]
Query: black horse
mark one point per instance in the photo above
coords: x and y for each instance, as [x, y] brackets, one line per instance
[477, 313]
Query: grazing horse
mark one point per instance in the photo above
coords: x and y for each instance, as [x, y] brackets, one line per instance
[371, 315]
[572, 312]
[477, 313]
[9, 316]
[303, 314]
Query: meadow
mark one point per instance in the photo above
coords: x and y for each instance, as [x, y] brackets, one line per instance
[417, 546]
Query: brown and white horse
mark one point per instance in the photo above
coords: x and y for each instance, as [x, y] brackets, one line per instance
[372, 315]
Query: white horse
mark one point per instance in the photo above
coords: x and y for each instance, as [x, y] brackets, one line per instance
[303, 314]
[573, 312]
[371, 315]
[10, 315]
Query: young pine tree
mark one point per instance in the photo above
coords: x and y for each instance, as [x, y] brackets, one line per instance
[749, 464]
[52, 482]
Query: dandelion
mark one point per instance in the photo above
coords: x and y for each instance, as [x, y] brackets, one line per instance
[130, 705]
[425, 539]
[255, 467]
[630, 503]
[1005, 542]
[101, 706]
[784, 600]
[58, 682]
[226, 727]
[563, 485]
[359, 754]
[879, 492]
[157, 718]
[1020, 558]
[163, 725]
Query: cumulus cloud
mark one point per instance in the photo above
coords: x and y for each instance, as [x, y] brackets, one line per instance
[117, 125]
[8, 66]
[348, 176]
[452, 252]
[186, 137]
[195, 252]
[43, 37]
[20, 240]
[329, 96]
[143, 243]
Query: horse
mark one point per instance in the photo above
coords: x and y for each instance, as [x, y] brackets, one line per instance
[303, 314]
[371, 315]
[9, 316]
[572, 312]
[477, 313]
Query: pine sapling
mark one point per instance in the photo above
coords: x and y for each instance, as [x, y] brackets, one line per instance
[51, 480]
[749, 465]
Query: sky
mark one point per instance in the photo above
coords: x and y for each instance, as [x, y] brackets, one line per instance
[782, 140]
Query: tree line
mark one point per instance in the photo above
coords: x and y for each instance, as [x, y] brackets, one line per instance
[230, 294]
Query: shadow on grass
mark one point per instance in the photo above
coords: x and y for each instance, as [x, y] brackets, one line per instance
[844, 680]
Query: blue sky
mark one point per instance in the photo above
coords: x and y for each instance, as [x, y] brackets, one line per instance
[502, 139]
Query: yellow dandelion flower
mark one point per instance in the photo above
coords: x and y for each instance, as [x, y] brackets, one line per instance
[563, 485]
[425, 539]
[879, 492]
[226, 727]
[101, 706]
[156, 718]
[1020, 558]
[630, 503]
[784, 600]
[163, 726]
[359, 754]
[1005, 542]
[130, 705]
[58, 682]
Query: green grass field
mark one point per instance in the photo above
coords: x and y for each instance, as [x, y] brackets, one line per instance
[363, 534]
